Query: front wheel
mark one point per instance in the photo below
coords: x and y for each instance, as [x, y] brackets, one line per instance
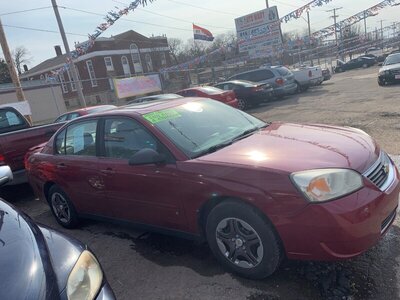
[62, 208]
[242, 104]
[243, 241]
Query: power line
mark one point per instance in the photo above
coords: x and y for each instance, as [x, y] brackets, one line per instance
[42, 30]
[23, 11]
[204, 8]
[140, 22]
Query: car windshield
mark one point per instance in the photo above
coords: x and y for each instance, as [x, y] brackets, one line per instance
[197, 127]
[392, 59]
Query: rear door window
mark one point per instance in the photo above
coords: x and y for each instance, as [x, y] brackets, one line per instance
[80, 139]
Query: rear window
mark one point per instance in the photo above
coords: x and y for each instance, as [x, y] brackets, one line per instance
[100, 109]
[283, 71]
[256, 76]
[210, 90]
[10, 121]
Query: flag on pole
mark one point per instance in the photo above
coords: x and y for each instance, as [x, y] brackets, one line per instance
[202, 34]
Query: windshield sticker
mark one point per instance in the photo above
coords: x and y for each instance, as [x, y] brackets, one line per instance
[162, 115]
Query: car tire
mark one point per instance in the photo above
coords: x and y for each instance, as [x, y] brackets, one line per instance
[62, 208]
[243, 241]
[298, 88]
[242, 104]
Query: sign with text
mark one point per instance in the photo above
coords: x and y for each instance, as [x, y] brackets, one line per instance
[259, 32]
[135, 86]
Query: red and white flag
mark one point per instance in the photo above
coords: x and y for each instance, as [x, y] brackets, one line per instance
[202, 34]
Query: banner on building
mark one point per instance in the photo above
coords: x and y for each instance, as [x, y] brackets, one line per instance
[135, 86]
[259, 32]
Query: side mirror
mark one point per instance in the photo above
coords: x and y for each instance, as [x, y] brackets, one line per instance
[146, 157]
[380, 64]
[6, 175]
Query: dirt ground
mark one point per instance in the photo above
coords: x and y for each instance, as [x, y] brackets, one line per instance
[141, 265]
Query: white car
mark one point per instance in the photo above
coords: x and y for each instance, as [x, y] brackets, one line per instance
[307, 76]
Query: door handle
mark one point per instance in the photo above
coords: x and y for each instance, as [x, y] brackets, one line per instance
[107, 171]
[61, 166]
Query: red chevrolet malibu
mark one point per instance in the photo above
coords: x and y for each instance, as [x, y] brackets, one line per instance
[257, 192]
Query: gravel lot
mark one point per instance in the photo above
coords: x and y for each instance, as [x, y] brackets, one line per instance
[141, 265]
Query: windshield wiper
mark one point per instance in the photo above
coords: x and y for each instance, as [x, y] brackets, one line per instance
[213, 148]
[249, 131]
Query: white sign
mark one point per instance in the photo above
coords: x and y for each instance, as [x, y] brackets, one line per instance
[259, 32]
[23, 107]
[134, 86]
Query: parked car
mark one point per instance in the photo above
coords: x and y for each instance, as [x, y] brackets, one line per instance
[154, 98]
[280, 78]
[256, 191]
[16, 136]
[227, 97]
[83, 112]
[326, 74]
[375, 51]
[38, 262]
[390, 70]
[360, 62]
[307, 76]
[248, 93]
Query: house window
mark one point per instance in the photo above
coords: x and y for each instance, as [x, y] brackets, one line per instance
[163, 59]
[111, 82]
[137, 62]
[149, 62]
[92, 75]
[109, 63]
[125, 66]
[71, 81]
[63, 84]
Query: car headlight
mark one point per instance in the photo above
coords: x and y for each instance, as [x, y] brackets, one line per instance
[85, 279]
[387, 72]
[327, 184]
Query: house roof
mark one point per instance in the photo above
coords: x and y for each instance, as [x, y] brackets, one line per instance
[58, 61]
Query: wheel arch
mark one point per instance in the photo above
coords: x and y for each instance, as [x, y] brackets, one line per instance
[46, 188]
[209, 205]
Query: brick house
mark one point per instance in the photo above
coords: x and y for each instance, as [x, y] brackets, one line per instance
[123, 55]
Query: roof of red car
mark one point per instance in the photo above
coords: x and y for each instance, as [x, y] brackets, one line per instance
[148, 107]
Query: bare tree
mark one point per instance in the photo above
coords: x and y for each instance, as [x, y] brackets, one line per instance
[21, 57]
[175, 48]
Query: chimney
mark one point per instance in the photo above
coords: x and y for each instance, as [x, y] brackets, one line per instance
[58, 50]
[25, 68]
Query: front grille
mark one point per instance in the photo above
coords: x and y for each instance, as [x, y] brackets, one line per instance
[396, 72]
[379, 172]
[385, 224]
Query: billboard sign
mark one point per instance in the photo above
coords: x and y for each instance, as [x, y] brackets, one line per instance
[259, 32]
[135, 86]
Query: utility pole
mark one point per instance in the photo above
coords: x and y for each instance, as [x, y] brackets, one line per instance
[266, 3]
[382, 32]
[309, 36]
[72, 69]
[365, 23]
[11, 68]
[335, 16]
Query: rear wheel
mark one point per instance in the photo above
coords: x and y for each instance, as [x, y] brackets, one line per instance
[242, 104]
[62, 208]
[242, 240]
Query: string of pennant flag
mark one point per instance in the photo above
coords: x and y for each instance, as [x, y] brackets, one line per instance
[110, 19]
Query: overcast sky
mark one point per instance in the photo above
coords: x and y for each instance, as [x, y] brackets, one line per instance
[218, 17]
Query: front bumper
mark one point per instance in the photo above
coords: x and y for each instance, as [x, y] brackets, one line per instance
[342, 228]
[106, 293]
[233, 103]
[389, 78]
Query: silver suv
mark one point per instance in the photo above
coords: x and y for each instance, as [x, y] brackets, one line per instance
[279, 77]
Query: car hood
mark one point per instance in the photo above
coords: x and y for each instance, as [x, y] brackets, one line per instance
[293, 147]
[390, 67]
[26, 271]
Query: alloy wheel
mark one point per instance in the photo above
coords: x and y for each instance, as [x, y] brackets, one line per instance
[239, 243]
[60, 207]
[241, 104]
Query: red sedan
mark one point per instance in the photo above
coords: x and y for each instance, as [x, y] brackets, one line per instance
[257, 192]
[227, 97]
